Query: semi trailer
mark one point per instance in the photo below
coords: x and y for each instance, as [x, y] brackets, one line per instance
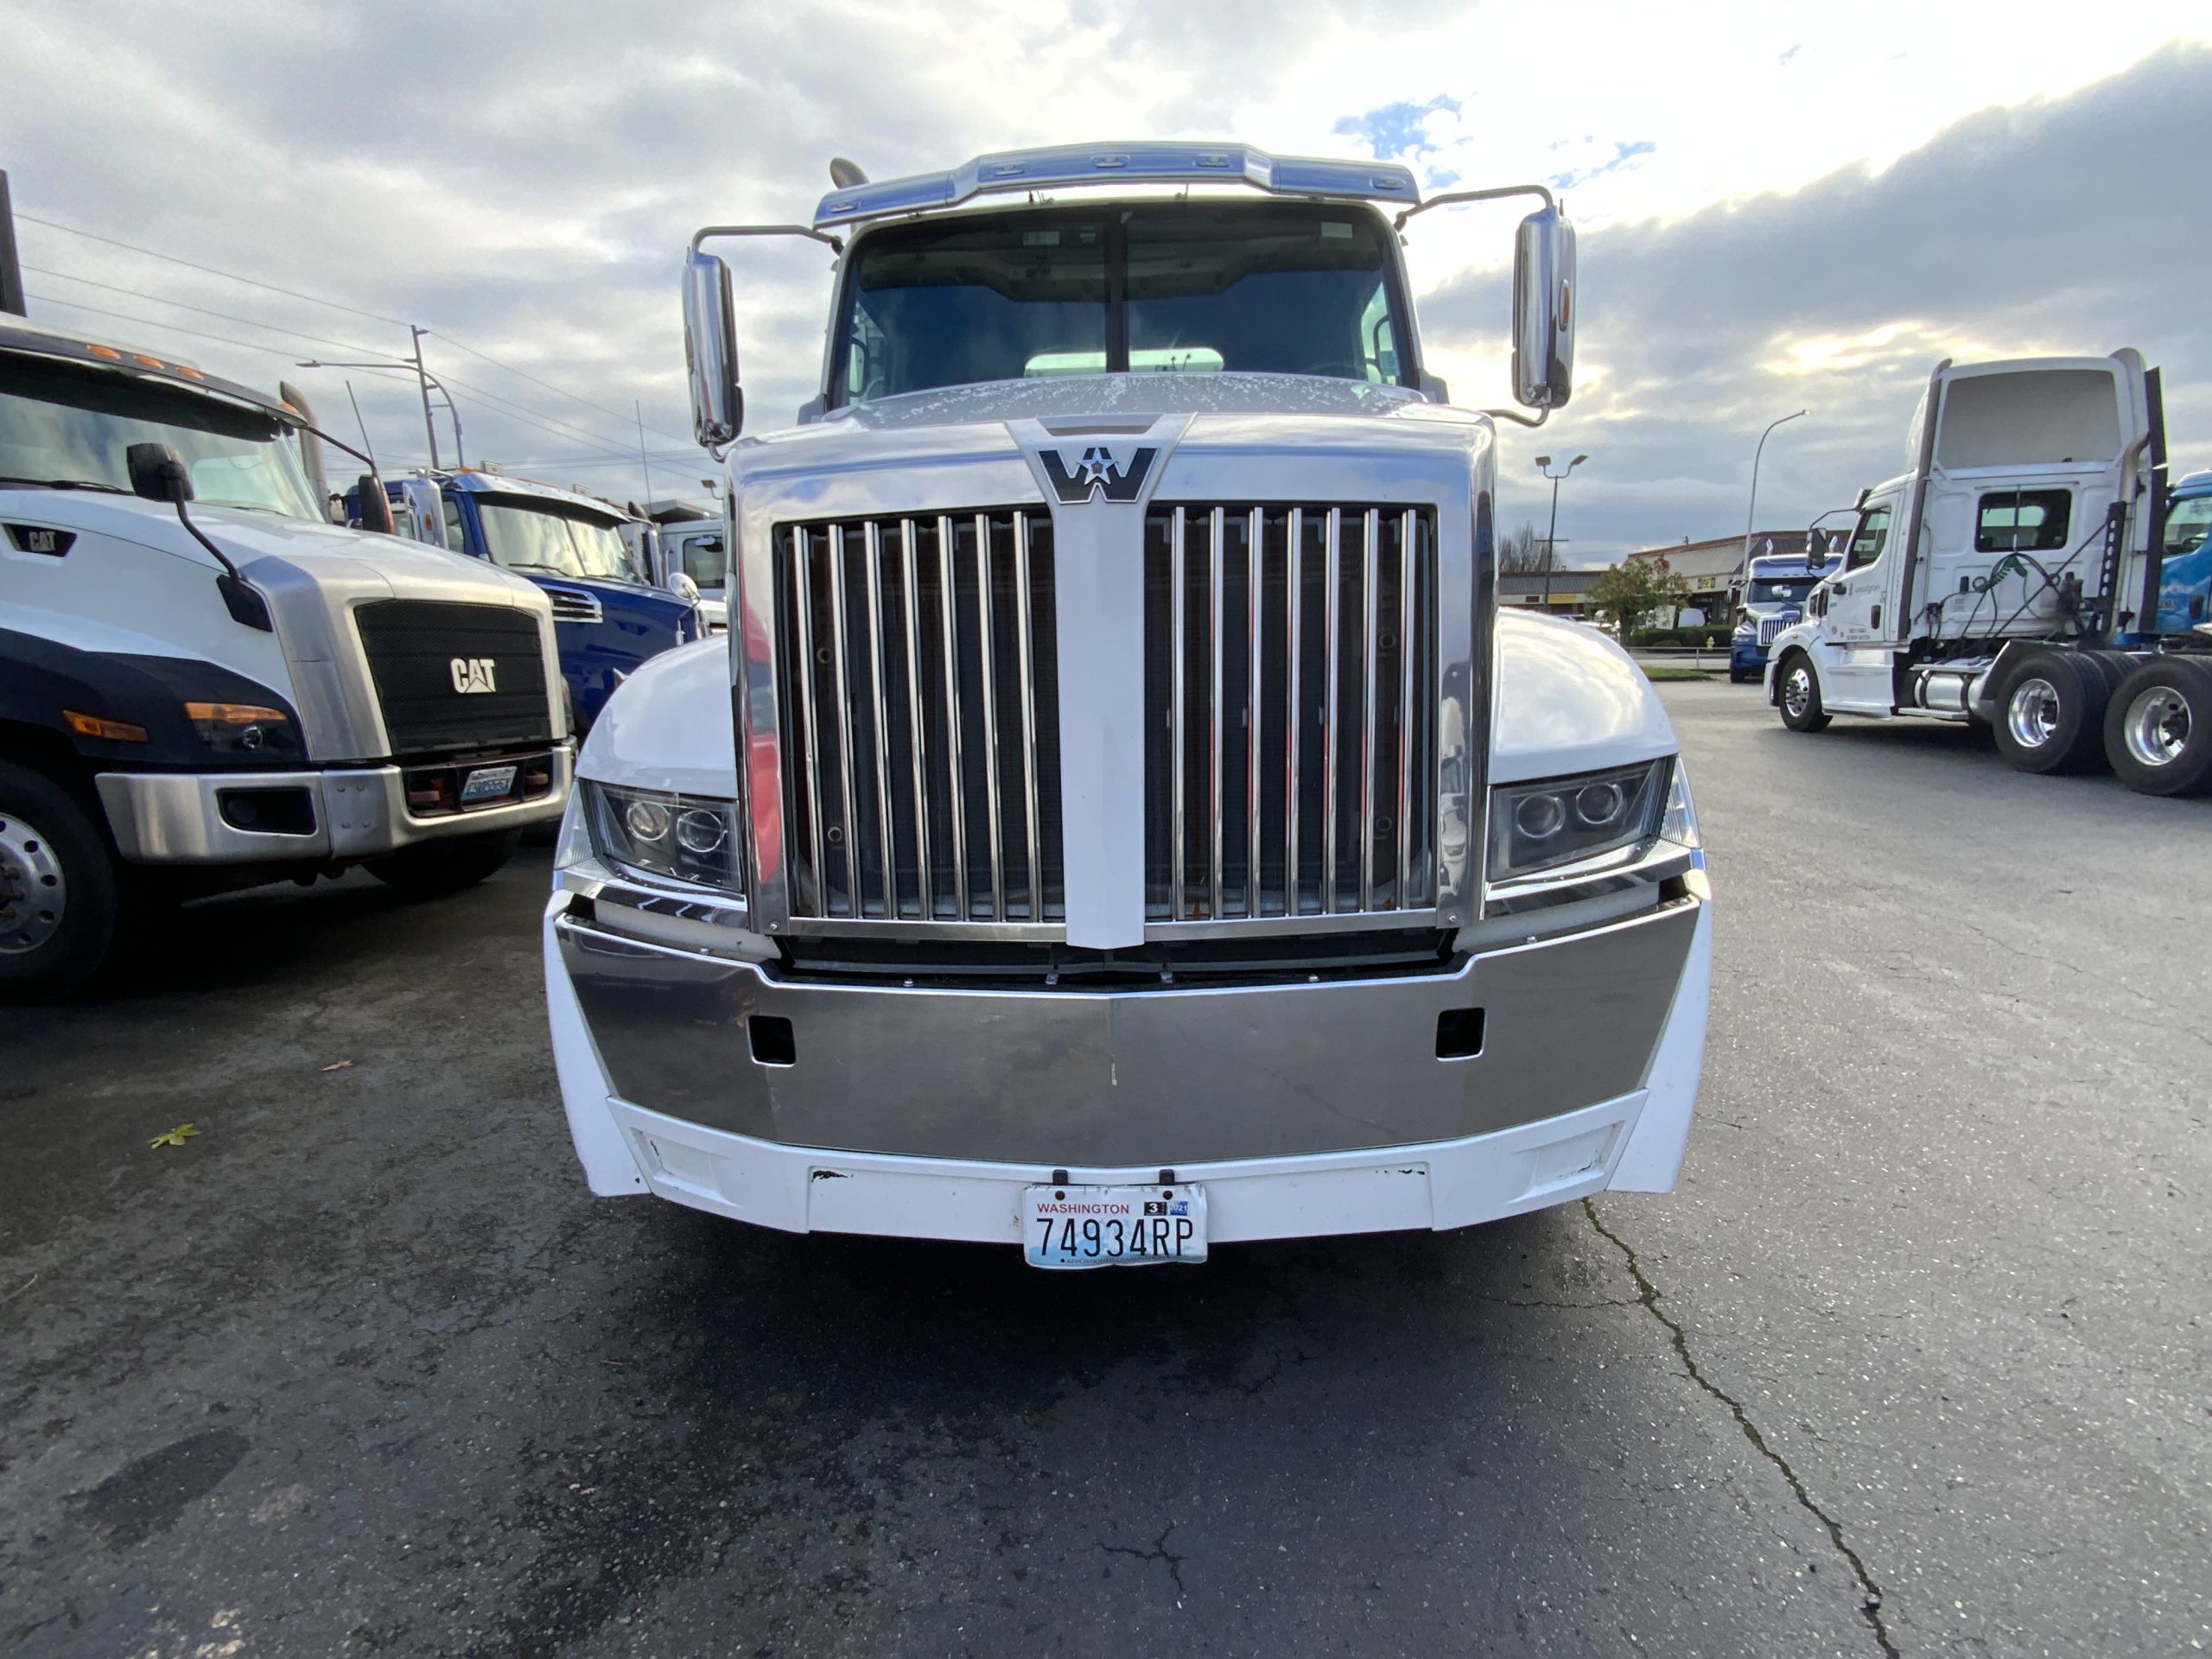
[205, 685]
[2032, 572]
[1120, 819]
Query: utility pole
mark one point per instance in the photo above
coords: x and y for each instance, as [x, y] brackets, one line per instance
[422, 381]
[1544, 465]
[1750, 514]
[12, 300]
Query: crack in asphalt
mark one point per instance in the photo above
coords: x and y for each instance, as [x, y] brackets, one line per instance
[1648, 1294]
[1159, 1552]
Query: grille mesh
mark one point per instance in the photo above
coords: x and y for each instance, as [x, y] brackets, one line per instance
[412, 644]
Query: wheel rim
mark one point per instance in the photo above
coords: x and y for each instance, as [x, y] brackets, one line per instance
[2033, 714]
[1798, 691]
[2156, 726]
[33, 889]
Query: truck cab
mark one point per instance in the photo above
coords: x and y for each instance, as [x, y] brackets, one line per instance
[695, 548]
[2027, 572]
[608, 613]
[205, 685]
[1771, 598]
[1119, 820]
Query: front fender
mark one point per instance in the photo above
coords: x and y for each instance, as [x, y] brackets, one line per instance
[1569, 700]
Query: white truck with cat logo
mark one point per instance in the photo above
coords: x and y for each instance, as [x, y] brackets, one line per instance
[205, 684]
[1119, 820]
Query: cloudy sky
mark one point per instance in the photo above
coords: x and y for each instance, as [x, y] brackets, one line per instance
[1781, 206]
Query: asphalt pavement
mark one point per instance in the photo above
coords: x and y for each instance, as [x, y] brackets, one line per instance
[1913, 1361]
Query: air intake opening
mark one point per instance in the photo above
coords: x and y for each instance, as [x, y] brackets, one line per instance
[773, 1041]
[1458, 1034]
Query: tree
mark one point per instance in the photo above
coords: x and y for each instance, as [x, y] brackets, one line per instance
[1522, 553]
[1633, 589]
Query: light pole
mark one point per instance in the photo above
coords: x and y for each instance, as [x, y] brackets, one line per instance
[1544, 465]
[1750, 514]
[425, 380]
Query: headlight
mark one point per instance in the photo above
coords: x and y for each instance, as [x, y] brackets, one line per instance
[1679, 823]
[245, 729]
[676, 837]
[1536, 827]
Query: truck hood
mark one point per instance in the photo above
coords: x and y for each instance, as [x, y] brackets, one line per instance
[322, 553]
[1568, 700]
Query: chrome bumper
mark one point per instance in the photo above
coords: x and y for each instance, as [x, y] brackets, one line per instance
[1147, 1079]
[177, 817]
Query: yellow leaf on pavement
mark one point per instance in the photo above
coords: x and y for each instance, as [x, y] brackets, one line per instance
[175, 1137]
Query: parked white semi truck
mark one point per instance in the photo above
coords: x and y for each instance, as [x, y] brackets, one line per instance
[205, 685]
[1120, 820]
[2020, 576]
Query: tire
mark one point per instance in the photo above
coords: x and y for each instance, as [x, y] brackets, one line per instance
[60, 898]
[2158, 730]
[2050, 714]
[431, 869]
[1797, 690]
[1737, 676]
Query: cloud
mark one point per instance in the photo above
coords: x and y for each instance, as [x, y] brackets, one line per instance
[2014, 232]
[1395, 132]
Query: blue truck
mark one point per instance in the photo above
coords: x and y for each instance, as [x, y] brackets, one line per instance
[2185, 567]
[608, 618]
[1771, 598]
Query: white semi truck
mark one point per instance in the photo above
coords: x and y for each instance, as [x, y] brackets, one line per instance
[2020, 576]
[205, 685]
[1119, 819]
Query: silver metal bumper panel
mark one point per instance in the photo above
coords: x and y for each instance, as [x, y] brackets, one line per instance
[175, 818]
[1146, 1079]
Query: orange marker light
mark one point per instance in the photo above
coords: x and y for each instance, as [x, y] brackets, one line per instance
[106, 352]
[150, 362]
[108, 731]
[231, 713]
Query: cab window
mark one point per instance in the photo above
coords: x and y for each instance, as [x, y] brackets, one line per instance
[2187, 523]
[456, 538]
[2017, 521]
[1871, 538]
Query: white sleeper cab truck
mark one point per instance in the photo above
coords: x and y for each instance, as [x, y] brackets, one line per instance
[205, 684]
[1119, 821]
[2019, 576]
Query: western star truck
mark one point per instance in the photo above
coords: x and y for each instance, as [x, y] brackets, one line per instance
[1772, 598]
[607, 615]
[1120, 820]
[2028, 573]
[205, 684]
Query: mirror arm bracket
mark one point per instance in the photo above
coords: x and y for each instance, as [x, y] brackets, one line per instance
[837, 244]
[1445, 201]
[1537, 419]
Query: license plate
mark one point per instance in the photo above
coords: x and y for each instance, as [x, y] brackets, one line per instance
[1112, 1226]
[487, 783]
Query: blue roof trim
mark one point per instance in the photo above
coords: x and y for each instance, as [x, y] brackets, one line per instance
[1095, 164]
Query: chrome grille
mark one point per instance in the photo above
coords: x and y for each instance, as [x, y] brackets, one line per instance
[1769, 627]
[573, 605]
[921, 718]
[1291, 697]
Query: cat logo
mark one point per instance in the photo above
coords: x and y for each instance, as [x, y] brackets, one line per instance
[474, 674]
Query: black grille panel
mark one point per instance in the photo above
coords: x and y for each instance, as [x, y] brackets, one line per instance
[921, 736]
[1290, 701]
[413, 646]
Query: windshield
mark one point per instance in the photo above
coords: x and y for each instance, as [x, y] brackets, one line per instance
[1179, 287]
[1786, 590]
[2188, 521]
[550, 538]
[64, 425]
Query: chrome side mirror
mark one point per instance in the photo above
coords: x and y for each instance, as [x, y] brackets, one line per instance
[710, 351]
[1543, 310]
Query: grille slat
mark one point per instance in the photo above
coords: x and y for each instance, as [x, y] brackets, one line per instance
[1319, 676]
[916, 639]
[573, 604]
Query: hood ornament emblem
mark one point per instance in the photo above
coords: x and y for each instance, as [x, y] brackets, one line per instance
[1098, 470]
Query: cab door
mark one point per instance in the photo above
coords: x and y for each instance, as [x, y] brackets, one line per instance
[1855, 670]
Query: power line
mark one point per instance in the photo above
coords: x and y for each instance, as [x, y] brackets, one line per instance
[251, 281]
[535, 381]
[154, 322]
[250, 323]
[547, 423]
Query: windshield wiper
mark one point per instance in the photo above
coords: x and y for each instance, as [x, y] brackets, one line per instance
[68, 484]
[558, 569]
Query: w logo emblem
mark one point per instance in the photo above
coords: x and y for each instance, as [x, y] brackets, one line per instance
[1098, 470]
